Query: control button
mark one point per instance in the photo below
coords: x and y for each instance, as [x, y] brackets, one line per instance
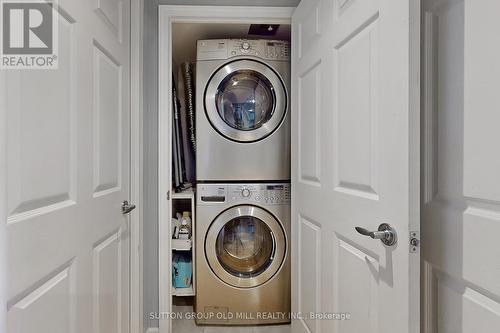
[233, 52]
[245, 192]
[245, 46]
[257, 198]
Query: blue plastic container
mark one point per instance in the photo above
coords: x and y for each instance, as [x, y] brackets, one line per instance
[182, 270]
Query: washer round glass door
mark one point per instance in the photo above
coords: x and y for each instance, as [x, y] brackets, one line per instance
[245, 101]
[245, 246]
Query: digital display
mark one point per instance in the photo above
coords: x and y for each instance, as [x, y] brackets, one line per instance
[270, 44]
[213, 198]
[274, 187]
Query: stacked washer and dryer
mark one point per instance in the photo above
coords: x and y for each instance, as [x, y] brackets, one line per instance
[243, 177]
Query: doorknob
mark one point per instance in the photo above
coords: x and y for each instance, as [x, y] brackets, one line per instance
[126, 207]
[385, 233]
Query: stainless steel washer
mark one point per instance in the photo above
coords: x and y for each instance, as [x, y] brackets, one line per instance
[242, 258]
[242, 114]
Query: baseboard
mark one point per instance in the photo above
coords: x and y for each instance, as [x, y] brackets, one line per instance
[153, 330]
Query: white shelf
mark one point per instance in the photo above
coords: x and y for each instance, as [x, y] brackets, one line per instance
[187, 194]
[181, 244]
[185, 201]
[183, 291]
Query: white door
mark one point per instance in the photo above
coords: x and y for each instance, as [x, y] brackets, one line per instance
[461, 182]
[355, 69]
[67, 170]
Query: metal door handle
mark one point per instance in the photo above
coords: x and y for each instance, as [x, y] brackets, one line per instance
[385, 233]
[126, 207]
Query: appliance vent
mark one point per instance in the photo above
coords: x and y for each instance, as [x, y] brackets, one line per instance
[263, 29]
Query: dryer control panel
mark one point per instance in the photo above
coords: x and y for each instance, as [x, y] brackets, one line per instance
[214, 49]
[266, 194]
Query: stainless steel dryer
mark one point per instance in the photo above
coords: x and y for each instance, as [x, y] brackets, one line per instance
[242, 110]
[242, 256]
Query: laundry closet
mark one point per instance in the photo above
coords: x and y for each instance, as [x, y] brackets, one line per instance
[225, 158]
[229, 200]
[283, 181]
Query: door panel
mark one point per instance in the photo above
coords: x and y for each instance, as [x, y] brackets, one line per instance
[51, 299]
[30, 144]
[107, 284]
[309, 125]
[355, 73]
[107, 121]
[461, 211]
[111, 13]
[355, 90]
[358, 294]
[68, 172]
[309, 270]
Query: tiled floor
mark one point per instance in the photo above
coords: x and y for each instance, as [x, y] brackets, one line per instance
[188, 326]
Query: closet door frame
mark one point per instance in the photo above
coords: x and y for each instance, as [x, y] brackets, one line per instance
[136, 167]
[169, 14]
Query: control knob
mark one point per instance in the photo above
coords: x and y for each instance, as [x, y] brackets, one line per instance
[245, 46]
[245, 192]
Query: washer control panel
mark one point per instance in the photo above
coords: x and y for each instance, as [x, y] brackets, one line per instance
[268, 194]
[213, 49]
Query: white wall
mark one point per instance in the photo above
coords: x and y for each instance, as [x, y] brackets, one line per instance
[184, 34]
[461, 183]
[3, 204]
[443, 73]
[150, 160]
[150, 210]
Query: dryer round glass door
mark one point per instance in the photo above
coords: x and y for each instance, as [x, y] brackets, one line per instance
[245, 246]
[245, 101]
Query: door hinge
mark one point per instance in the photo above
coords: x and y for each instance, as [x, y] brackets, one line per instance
[414, 241]
[168, 195]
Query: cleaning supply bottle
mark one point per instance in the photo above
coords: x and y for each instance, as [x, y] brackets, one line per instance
[185, 229]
